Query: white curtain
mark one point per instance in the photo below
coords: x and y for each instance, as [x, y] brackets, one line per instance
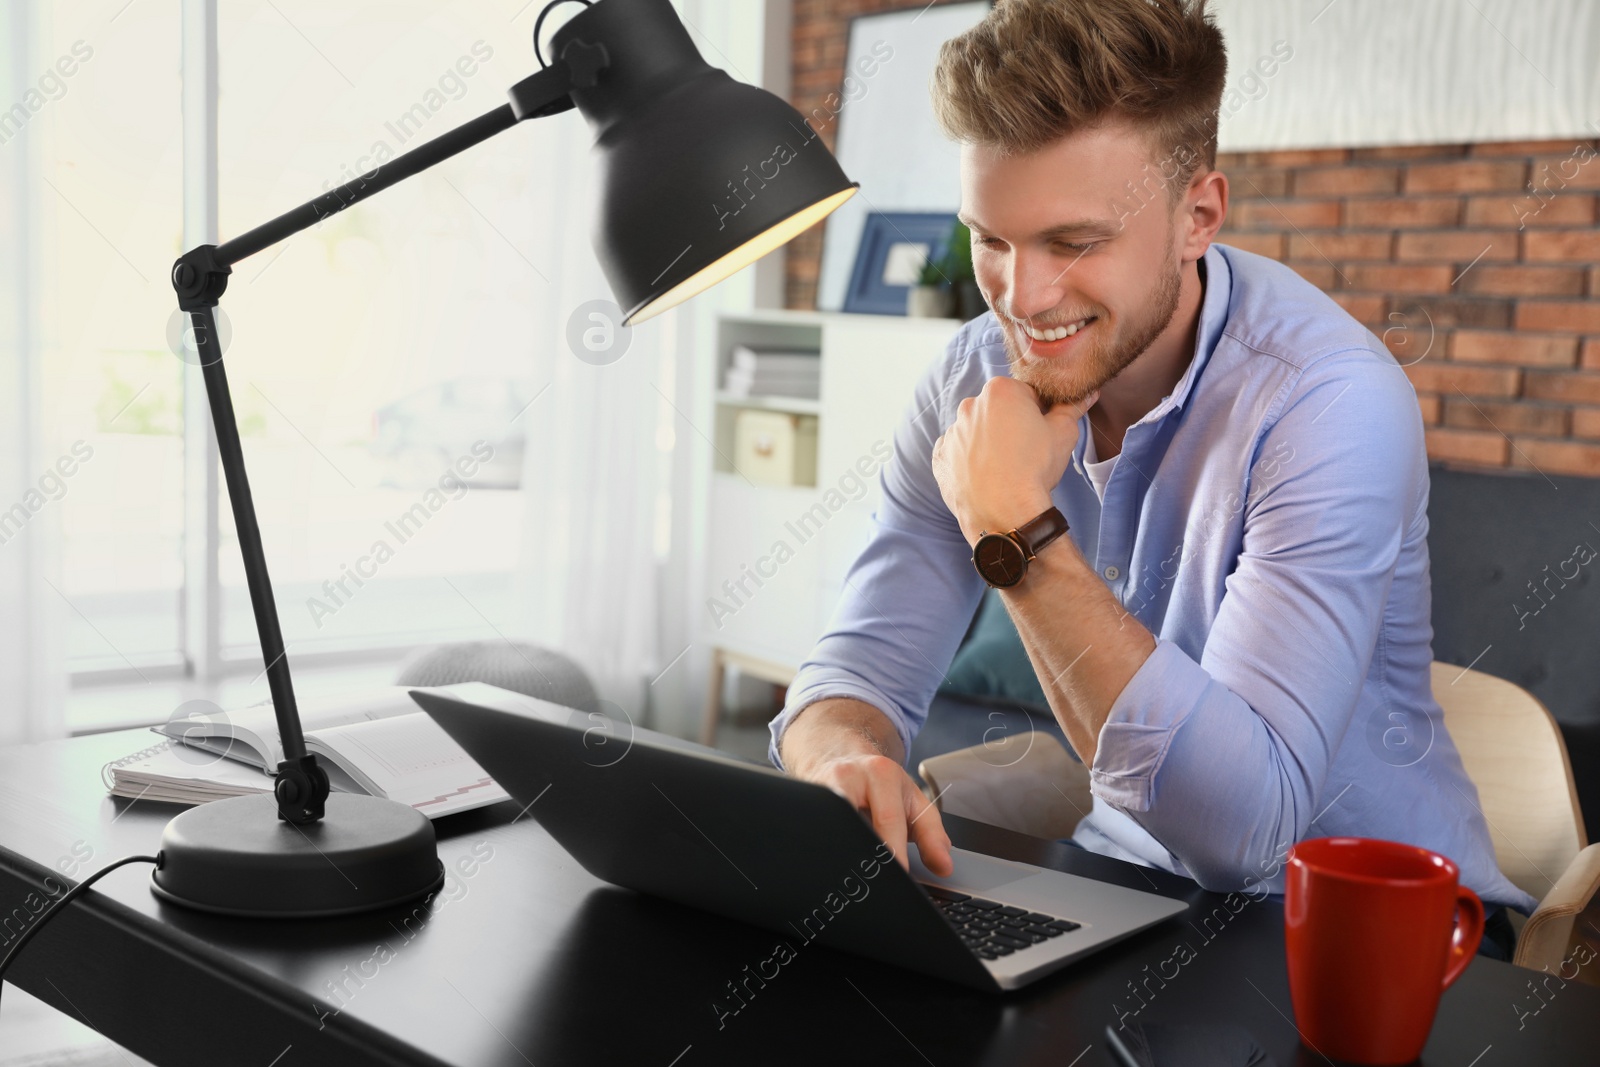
[589, 476]
[619, 455]
[32, 667]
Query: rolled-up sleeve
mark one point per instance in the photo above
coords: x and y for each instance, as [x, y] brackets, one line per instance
[908, 597]
[1222, 757]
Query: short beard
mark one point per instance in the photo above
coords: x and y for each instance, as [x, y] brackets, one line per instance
[1105, 358]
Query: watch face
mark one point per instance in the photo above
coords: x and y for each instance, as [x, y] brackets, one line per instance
[1000, 560]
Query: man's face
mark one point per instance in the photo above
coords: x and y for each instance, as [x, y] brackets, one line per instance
[1081, 229]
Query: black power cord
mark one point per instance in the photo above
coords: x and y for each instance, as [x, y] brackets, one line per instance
[71, 895]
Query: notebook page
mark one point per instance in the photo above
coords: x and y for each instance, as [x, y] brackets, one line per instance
[411, 759]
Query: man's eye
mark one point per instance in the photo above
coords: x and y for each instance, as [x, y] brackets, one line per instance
[1079, 248]
[989, 242]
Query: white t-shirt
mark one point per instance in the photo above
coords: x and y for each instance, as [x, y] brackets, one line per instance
[1099, 471]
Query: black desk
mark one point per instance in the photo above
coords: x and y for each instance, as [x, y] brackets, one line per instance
[528, 960]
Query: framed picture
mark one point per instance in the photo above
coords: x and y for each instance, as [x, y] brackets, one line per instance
[894, 246]
[887, 138]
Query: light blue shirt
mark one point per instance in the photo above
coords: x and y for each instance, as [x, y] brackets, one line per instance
[1268, 523]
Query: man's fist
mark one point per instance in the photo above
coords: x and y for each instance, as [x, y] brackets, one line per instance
[998, 463]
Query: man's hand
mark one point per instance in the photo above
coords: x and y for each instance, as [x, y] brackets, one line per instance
[850, 747]
[998, 463]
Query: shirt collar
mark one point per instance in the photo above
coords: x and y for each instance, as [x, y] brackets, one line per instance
[1218, 283]
[1214, 304]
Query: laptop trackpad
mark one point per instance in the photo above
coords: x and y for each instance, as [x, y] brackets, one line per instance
[974, 873]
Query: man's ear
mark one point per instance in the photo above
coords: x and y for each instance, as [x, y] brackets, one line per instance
[1205, 206]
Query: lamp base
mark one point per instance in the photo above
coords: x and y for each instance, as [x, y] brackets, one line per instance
[236, 857]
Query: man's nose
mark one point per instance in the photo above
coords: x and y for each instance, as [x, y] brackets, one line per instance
[1036, 285]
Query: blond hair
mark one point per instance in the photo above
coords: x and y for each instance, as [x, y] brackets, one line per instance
[1034, 71]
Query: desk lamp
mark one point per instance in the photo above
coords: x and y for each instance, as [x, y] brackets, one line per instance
[684, 203]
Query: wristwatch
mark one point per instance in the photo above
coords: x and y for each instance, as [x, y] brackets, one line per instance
[1002, 559]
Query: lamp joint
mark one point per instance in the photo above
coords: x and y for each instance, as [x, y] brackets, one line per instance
[549, 91]
[585, 61]
[301, 790]
[200, 277]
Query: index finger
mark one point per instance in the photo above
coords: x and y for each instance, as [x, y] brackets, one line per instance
[1073, 410]
[933, 843]
[888, 814]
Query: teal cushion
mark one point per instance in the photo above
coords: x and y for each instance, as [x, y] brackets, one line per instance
[992, 663]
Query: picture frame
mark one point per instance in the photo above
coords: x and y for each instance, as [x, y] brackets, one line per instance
[893, 247]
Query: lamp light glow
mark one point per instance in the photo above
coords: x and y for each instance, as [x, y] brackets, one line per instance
[741, 257]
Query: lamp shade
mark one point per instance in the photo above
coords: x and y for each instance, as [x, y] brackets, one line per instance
[700, 175]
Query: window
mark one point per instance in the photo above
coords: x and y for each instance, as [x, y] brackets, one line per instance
[382, 356]
[107, 148]
[379, 363]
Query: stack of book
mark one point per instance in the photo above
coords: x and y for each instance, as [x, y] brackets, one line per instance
[768, 372]
[374, 741]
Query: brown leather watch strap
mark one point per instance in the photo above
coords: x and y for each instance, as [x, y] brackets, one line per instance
[1002, 558]
[1033, 536]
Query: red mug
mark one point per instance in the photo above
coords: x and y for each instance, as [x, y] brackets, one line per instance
[1375, 932]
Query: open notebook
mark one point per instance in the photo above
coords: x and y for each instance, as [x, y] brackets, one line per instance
[376, 741]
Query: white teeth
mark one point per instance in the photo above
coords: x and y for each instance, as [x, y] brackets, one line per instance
[1055, 333]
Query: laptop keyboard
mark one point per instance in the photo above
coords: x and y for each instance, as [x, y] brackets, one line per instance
[991, 929]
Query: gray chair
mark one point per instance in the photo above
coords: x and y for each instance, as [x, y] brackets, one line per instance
[516, 665]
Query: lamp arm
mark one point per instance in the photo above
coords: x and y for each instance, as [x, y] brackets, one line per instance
[200, 276]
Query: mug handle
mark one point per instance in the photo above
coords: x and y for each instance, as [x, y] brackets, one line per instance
[1467, 936]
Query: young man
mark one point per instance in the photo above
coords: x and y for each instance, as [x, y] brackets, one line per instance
[1219, 474]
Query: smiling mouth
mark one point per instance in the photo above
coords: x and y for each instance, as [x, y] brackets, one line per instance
[1054, 339]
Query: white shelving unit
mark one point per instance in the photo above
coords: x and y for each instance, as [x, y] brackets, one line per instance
[777, 556]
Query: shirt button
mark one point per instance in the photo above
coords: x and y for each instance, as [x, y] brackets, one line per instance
[1112, 574]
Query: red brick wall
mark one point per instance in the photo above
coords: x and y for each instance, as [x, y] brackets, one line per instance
[1476, 264]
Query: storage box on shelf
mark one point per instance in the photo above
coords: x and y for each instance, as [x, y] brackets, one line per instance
[783, 527]
[777, 448]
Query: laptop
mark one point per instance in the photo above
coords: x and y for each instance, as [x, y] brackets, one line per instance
[677, 820]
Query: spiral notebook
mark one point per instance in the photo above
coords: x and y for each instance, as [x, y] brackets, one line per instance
[375, 741]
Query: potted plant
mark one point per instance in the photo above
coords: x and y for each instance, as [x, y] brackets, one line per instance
[957, 267]
[946, 286]
[931, 297]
